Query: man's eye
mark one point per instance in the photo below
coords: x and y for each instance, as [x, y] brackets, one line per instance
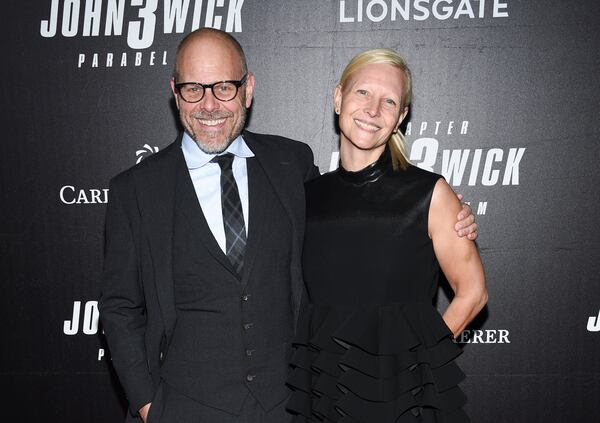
[390, 102]
[224, 88]
[361, 92]
[192, 89]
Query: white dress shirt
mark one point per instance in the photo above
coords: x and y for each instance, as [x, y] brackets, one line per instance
[206, 177]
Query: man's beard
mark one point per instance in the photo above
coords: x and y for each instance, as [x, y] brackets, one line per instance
[215, 148]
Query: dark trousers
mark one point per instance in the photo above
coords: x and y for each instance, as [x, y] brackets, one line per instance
[170, 406]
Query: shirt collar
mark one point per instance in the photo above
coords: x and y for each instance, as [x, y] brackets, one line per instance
[195, 158]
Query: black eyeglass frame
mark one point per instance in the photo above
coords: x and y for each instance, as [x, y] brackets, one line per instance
[236, 83]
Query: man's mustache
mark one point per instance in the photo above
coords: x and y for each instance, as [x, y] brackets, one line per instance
[211, 115]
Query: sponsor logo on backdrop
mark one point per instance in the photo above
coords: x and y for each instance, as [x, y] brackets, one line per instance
[137, 22]
[420, 10]
[144, 152]
[84, 321]
[489, 167]
[593, 324]
[486, 167]
[485, 336]
[69, 194]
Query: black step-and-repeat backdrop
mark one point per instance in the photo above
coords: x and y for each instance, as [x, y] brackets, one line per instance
[506, 107]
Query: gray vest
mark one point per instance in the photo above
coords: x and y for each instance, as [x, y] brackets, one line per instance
[233, 332]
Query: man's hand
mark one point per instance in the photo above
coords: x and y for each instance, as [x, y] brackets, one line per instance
[144, 412]
[466, 225]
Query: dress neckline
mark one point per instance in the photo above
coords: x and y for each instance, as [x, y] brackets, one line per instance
[370, 173]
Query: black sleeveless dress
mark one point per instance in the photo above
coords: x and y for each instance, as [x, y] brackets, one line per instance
[370, 345]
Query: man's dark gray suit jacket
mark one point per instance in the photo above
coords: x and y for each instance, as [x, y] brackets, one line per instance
[137, 307]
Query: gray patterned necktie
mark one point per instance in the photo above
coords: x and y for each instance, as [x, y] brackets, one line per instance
[233, 217]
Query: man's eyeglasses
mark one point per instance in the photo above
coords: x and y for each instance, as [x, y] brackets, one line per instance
[193, 92]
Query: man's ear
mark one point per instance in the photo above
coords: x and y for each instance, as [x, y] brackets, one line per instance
[174, 91]
[250, 81]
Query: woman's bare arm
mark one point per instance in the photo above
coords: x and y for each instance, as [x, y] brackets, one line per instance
[458, 258]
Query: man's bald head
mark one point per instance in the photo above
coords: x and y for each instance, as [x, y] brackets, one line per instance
[207, 57]
[215, 37]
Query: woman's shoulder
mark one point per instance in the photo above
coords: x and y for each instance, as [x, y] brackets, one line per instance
[417, 175]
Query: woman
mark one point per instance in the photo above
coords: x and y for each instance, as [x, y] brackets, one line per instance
[371, 347]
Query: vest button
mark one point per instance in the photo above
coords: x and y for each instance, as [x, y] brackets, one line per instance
[249, 352]
[245, 297]
[250, 378]
[248, 325]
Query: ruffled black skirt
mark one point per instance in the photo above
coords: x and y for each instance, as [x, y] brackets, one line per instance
[391, 363]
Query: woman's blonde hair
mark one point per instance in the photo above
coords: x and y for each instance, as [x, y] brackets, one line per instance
[396, 142]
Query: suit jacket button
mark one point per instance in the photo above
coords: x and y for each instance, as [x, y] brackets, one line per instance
[249, 352]
[250, 378]
[245, 297]
[248, 325]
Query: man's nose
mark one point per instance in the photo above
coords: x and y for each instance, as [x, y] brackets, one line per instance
[209, 102]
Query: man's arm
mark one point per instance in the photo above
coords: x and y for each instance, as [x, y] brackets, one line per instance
[121, 304]
[466, 225]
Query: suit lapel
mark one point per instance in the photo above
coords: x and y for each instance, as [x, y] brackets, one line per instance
[257, 184]
[277, 170]
[192, 212]
[276, 175]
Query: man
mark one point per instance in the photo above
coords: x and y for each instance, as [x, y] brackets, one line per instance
[202, 279]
